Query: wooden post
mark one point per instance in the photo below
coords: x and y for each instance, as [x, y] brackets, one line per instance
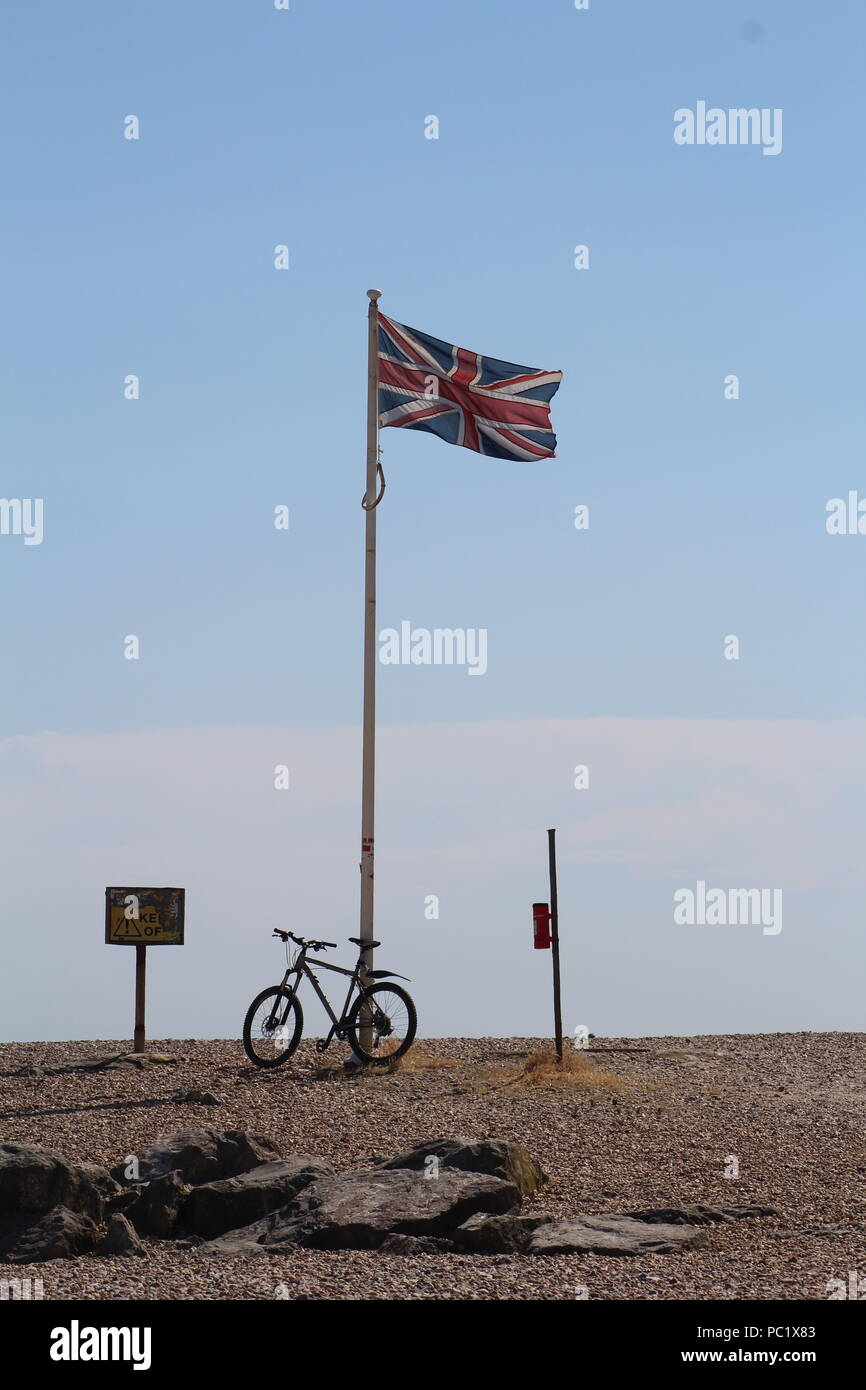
[138, 1034]
[554, 942]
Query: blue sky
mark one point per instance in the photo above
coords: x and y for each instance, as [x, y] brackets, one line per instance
[155, 257]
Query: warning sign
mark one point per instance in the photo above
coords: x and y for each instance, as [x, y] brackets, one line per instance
[144, 916]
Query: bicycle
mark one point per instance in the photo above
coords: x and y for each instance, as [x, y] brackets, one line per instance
[389, 1020]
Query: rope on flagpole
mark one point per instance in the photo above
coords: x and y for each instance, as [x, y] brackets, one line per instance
[370, 506]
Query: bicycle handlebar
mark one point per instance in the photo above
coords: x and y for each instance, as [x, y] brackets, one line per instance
[305, 945]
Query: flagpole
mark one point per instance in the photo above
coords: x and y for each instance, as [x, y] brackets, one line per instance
[368, 760]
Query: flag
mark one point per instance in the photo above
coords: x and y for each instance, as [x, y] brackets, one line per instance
[493, 407]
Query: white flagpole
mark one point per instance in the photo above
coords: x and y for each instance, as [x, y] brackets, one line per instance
[368, 775]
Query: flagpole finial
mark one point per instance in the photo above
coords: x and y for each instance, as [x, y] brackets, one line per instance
[374, 295]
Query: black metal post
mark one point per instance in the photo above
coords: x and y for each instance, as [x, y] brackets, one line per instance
[554, 942]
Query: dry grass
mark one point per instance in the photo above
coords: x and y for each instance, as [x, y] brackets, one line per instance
[542, 1068]
[418, 1059]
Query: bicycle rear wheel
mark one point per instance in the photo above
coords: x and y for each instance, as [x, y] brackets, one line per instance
[393, 1023]
[273, 1027]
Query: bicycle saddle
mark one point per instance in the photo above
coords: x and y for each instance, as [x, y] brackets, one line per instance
[359, 942]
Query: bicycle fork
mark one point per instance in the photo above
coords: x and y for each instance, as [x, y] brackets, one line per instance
[273, 1022]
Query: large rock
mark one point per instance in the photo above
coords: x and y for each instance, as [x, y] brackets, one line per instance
[356, 1211]
[200, 1155]
[610, 1235]
[35, 1179]
[495, 1235]
[29, 1237]
[698, 1214]
[156, 1209]
[501, 1158]
[216, 1207]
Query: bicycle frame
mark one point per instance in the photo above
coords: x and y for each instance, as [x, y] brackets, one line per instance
[301, 967]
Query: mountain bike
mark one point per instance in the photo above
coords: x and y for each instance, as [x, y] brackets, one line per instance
[378, 1020]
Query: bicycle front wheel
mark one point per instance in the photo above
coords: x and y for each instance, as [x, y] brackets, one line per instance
[273, 1027]
[392, 1023]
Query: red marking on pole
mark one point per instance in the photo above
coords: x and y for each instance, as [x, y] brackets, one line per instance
[541, 926]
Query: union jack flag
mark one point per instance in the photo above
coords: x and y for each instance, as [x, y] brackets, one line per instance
[493, 407]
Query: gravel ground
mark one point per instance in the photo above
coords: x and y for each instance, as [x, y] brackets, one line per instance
[791, 1108]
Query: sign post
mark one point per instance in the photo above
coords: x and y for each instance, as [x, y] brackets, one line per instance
[545, 937]
[554, 942]
[140, 967]
[143, 917]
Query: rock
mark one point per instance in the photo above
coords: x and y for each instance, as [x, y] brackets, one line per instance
[124, 1199]
[610, 1235]
[216, 1207]
[501, 1158]
[36, 1179]
[140, 1061]
[356, 1211]
[495, 1235]
[110, 1196]
[200, 1155]
[246, 1240]
[157, 1206]
[415, 1245]
[120, 1238]
[831, 1232]
[698, 1214]
[56, 1234]
[113, 1061]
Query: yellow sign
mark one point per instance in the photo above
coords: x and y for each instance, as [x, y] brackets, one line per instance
[144, 916]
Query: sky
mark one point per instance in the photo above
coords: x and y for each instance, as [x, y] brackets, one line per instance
[736, 764]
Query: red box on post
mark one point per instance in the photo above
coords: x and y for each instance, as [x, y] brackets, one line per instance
[541, 926]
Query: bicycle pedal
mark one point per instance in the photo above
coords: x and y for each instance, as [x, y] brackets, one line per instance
[321, 1044]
